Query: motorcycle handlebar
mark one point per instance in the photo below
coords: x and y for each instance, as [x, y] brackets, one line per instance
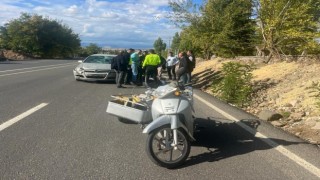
[180, 85]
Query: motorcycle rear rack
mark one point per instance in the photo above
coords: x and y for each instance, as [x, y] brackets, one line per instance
[127, 98]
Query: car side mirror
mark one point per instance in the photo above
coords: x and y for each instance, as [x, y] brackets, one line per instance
[80, 61]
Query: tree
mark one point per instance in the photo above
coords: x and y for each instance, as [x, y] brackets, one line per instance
[159, 45]
[175, 42]
[93, 49]
[3, 38]
[288, 26]
[184, 12]
[198, 38]
[38, 36]
[224, 27]
[229, 27]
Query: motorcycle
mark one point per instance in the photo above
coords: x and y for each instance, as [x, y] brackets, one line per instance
[166, 115]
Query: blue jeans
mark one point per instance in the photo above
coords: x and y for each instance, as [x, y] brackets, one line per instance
[183, 78]
[188, 77]
[120, 77]
[134, 68]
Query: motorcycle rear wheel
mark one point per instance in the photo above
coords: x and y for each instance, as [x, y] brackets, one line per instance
[160, 150]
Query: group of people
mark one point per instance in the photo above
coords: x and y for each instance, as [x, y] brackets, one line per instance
[185, 63]
[139, 67]
[127, 65]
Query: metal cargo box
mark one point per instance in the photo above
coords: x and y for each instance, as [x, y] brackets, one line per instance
[132, 111]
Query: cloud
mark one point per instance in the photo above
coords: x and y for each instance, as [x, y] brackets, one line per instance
[127, 23]
[154, 2]
[110, 15]
[72, 9]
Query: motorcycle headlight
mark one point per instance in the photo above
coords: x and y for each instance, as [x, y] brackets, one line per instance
[177, 93]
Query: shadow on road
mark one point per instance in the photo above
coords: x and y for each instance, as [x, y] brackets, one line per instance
[112, 82]
[9, 62]
[98, 82]
[225, 138]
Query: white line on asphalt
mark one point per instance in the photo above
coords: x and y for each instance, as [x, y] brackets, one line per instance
[34, 70]
[34, 67]
[21, 116]
[308, 166]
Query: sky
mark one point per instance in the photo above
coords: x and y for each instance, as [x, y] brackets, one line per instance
[107, 23]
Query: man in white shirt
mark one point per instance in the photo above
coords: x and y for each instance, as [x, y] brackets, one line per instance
[171, 63]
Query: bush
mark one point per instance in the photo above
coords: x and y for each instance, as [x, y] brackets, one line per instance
[285, 114]
[235, 84]
[315, 88]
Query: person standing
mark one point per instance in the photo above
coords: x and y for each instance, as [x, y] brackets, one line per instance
[191, 64]
[183, 67]
[150, 64]
[134, 58]
[120, 64]
[128, 76]
[171, 63]
[161, 66]
[140, 75]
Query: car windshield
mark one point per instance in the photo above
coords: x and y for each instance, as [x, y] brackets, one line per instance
[99, 59]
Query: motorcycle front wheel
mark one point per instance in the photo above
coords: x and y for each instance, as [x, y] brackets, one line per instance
[161, 151]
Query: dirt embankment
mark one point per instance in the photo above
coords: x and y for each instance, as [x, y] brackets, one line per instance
[10, 55]
[282, 88]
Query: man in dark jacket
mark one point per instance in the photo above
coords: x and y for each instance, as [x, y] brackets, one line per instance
[121, 68]
[183, 67]
[128, 75]
[192, 64]
[140, 75]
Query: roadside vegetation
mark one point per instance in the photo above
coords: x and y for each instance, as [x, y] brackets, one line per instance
[38, 36]
[223, 28]
[229, 28]
[92, 48]
[272, 30]
[315, 91]
[234, 84]
[41, 37]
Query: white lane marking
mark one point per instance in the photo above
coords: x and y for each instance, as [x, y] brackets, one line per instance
[35, 67]
[34, 70]
[308, 166]
[21, 116]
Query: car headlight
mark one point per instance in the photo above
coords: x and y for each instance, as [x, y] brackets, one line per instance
[80, 70]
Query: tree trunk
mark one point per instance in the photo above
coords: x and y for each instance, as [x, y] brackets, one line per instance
[269, 58]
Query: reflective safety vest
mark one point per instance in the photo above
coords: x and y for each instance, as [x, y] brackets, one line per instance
[151, 60]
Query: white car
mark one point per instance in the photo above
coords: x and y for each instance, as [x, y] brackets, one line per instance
[96, 67]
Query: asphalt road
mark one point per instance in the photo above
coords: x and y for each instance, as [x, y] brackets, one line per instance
[62, 131]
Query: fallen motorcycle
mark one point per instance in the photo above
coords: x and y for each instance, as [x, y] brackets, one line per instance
[166, 115]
